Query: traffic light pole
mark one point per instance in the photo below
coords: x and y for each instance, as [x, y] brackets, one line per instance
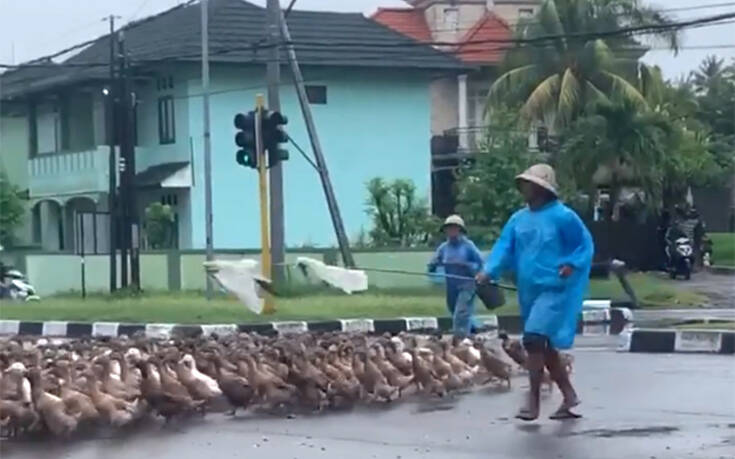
[265, 262]
[273, 72]
[339, 229]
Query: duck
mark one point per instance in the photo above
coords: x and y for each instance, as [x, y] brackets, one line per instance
[52, 409]
[166, 404]
[115, 411]
[513, 348]
[425, 378]
[237, 390]
[200, 386]
[494, 365]
[18, 417]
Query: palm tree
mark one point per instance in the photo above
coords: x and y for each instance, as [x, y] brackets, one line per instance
[618, 144]
[556, 79]
[710, 72]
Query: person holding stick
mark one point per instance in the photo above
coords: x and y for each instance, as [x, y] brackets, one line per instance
[461, 260]
[550, 251]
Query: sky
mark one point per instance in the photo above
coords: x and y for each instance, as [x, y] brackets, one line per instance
[33, 28]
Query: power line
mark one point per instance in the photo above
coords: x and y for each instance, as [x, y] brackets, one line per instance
[319, 45]
[512, 25]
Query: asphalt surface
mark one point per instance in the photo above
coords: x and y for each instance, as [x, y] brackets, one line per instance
[661, 317]
[718, 288]
[635, 406]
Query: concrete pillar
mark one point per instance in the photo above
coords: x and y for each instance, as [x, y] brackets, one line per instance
[462, 112]
[51, 225]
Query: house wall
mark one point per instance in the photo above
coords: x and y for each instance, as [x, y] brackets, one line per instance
[14, 162]
[450, 21]
[444, 110]
[150, 151]
[510, 11]
[375, 123]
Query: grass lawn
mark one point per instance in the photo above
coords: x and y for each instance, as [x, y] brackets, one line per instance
[723, 249]
[190, 307]
[708, 326]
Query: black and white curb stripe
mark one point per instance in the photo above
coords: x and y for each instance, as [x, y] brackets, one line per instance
[672, 340]
[591, 322]
[114, 329]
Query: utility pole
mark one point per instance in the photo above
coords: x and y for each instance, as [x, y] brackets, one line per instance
[339, 229]
[207, 143]
[122, 96]
[127, 148]
[273, 71]
[265, 262]
[112, 163]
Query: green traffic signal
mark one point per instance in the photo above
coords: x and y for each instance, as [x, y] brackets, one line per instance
[247, 158]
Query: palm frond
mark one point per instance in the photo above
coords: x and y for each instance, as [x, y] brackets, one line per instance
[593, 95]
[542, 101]
[570, 93]
[622, 88]
[510, 82]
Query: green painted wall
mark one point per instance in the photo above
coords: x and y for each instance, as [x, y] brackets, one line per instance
[54, 274]
[14, 162]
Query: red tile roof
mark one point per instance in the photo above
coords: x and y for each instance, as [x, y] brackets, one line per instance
[408, 21]
[490, 27]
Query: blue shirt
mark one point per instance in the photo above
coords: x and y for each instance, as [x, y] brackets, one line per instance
[459, 257]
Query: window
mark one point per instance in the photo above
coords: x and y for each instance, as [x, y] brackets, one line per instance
[165, 83]
[316, 94]
[166, 122]
[525, 12]
[451, 17]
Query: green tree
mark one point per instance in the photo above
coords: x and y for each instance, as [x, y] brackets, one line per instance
[620, 142]
[486, 191]
[11, 210]
[556, 79]
[159, 226]
[400, 218]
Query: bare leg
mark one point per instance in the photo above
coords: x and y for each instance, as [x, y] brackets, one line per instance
[561, 378]
[535, 365]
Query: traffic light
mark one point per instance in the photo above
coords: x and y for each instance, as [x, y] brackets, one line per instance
[274, 136]
[247, 155]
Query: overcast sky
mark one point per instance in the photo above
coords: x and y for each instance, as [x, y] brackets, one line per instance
[33, 28]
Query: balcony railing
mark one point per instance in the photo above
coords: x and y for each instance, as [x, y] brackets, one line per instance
[69, 173]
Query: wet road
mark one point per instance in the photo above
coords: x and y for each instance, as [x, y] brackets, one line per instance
[635, 406]
[718, 288]
[652, 316]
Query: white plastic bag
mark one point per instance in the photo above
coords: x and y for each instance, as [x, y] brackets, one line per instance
[347, 280]
[241, 278]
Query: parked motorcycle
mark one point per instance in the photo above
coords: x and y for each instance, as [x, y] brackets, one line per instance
[681, 259]
[14, 285]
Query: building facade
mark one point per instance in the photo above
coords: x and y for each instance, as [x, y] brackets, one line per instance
[372, 111]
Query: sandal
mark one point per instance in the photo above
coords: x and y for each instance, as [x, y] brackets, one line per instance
[565, 410]
[563, 414]
[526, 415]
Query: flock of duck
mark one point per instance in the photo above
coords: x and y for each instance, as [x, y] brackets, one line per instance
[60, 387]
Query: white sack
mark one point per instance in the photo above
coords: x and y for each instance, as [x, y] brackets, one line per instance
[239, 278]
[347, 280]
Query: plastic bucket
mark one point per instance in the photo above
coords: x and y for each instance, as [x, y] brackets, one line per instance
[490, 294]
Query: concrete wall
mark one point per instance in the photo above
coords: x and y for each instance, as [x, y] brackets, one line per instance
[54, 274]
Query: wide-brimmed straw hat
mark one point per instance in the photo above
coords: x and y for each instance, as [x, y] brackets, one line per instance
[542, 175]
[455, 220]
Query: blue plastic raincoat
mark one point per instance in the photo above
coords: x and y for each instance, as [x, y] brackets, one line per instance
[459, 257]
[534, 244]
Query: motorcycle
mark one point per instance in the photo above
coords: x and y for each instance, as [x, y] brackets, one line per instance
[17, 288]
[681, 261]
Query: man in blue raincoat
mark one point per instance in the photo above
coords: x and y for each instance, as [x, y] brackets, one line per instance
[550, 251]
[459, 257]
